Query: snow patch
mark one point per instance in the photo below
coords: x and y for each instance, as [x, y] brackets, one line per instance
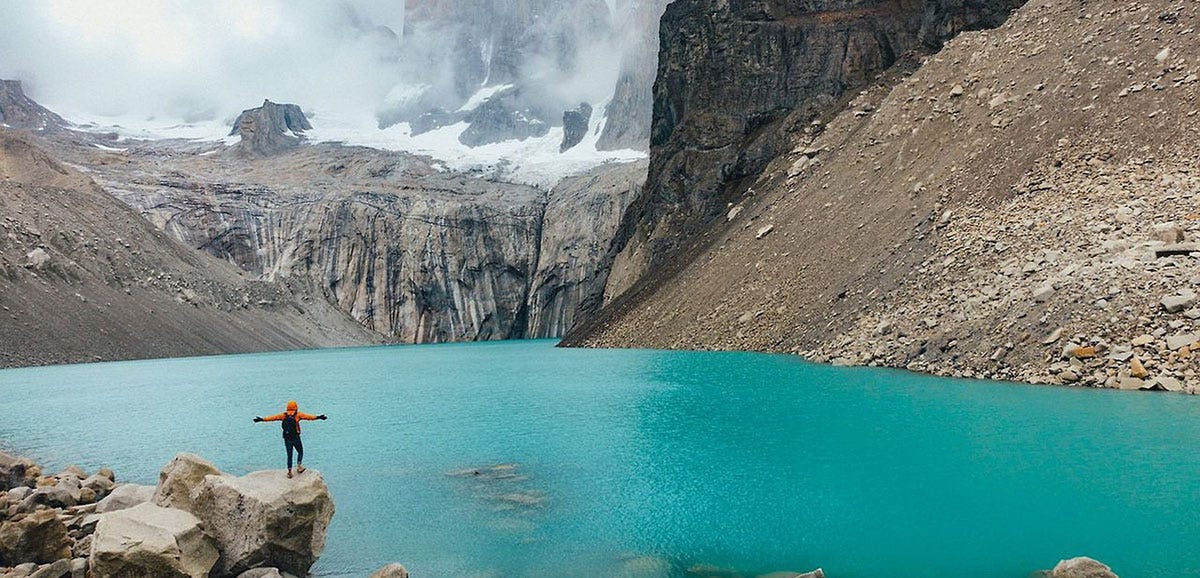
[482, 95]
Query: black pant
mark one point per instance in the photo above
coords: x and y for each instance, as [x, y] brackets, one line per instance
[294, 443]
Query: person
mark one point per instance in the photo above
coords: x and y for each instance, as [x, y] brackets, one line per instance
[291, 418]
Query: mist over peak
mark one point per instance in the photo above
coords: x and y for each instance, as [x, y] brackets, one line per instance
[387, 61]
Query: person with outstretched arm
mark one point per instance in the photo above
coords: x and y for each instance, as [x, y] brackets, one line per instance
[291, 418]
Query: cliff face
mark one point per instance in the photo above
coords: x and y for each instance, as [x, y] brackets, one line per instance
[84, 278]
[416, 255]
[1021, 206]
[737, 81]
[269, 129]
[19, 111]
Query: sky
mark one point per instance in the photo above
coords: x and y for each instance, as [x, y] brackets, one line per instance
[196, 59]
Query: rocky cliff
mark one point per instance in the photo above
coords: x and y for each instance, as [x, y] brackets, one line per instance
[737, 81]
[20, 112]
[269, 129]
[409, 252]
[83, 278]
[1021, 206]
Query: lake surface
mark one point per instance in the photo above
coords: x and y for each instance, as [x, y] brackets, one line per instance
[644, 463]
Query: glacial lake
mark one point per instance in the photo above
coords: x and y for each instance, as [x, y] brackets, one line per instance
[645, 463]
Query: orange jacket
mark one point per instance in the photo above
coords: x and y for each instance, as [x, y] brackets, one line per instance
[291, 410]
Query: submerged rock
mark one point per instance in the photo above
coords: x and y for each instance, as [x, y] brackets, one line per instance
[1082, 567]
[392, 570]
[149, 540]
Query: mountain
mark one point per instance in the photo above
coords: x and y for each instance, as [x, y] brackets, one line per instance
[1017, 205]
[410, 252]
[20, 112]
[83, 278]
[510, 69]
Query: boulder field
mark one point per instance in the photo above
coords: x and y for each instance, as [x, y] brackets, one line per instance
[196, 522]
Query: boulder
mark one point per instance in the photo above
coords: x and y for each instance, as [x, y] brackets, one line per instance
[264, 519]
[56, 569]
[1081, 567]
[1167, 232]
[265, 573]
[180, 478]
[125, 496]
[39, 537]
[392, 570]
[148, 540]
[15, 471]
[49, 496]
[100, 484]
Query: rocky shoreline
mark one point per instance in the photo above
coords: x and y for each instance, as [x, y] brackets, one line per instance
[200, 522]
[196, 522]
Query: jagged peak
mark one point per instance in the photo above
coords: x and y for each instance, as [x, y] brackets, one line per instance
[19, 111]
[270, 129]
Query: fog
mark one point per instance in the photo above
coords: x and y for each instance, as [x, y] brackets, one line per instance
[209, 60]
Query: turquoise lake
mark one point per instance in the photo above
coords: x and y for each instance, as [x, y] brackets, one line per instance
[751, 462]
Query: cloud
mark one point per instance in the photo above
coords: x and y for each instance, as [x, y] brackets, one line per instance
[182, 58]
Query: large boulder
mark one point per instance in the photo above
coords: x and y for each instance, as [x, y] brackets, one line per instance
[1082, 567]
[392, 570]
[15, 472]
[40, 537]
[180, 478]
[148, 540]
[125, 496]
[264, 519]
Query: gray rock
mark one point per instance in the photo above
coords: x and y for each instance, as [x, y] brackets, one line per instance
[21, 570]
[269, 129]
[50, 496]
[79, 567]
[1130, 383]
[1180, 340]
[392, 570]
[179, 478]
[56, 569]
[265, 573]
[1082, 567]
[1179, 302]
[1165, 383]
[264, 519]
[1167, 232]
[575, 126]
[125, 496]
[148, 540]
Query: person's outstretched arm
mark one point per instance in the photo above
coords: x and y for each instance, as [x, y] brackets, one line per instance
[276, 417]
[309, 416]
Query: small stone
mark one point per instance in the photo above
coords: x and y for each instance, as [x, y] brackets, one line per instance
[1179, 302]
[956, 91]
[763, 232]
[1082, 352]
[1136, 369]
[1130, 383]
[1068, 376]
[1142, 340]
[1053, 336]
[1167, 232]
[1180, 340]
